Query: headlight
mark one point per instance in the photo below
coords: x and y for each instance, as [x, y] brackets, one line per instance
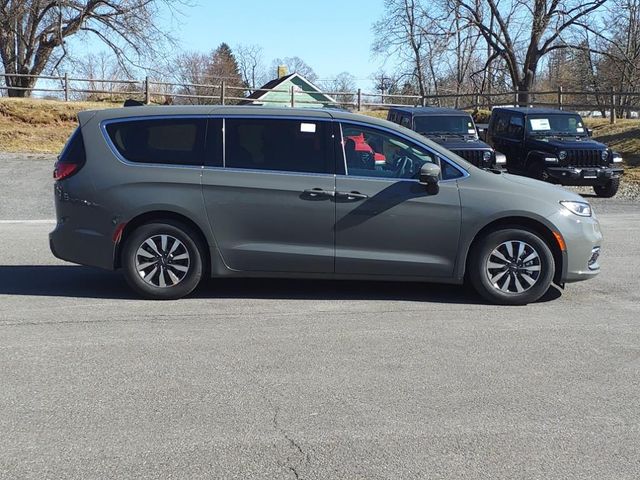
[583, 209]
[501, 158]
[604, 155]
[562, 154]
[486, 156]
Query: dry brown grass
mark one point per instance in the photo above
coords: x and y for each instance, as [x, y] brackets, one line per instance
[39, 126]
[624, 138]
[376, 113]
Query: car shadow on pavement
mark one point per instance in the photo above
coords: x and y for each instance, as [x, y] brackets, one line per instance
[85, 282]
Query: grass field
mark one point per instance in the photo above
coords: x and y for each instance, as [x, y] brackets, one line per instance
[42, 126]
[38, 126]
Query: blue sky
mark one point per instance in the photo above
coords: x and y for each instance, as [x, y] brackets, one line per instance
[332, 36]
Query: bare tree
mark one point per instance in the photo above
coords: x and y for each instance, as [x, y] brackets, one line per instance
[401, 34]
[33, 32]
[295, 65]
[191, 70]
[102, 71]
[251, 65]
[342, 87]
[621, 67]
[522, 32]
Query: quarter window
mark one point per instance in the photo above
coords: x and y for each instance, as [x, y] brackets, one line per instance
[166, 141]
[516, 126]
[283, 145]
[502, 124]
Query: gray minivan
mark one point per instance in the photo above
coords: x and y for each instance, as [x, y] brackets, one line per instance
[174, 194]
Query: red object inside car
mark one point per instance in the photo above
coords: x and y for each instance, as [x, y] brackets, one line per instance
[363, 146]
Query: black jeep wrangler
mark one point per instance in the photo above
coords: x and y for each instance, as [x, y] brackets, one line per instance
[453, 129]
[554, 146]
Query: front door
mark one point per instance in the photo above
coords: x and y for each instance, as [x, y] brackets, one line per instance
[386, 222]
[270, 206]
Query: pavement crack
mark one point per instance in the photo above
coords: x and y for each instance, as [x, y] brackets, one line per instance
[293, 445]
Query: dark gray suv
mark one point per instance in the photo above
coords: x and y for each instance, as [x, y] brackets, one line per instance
[173, 194]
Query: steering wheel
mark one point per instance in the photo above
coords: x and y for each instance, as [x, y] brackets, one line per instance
[405, 167]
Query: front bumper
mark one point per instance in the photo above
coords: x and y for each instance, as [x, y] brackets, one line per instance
[583, 175]
[583, 239]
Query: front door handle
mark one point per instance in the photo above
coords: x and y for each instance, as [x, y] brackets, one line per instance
[318, 192]
[352, 195]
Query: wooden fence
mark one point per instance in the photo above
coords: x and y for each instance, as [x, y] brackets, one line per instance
[611, 104]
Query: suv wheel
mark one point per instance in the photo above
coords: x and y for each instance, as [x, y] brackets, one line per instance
[609, 189]
[162, 261]
[511, 267]
[536, 170]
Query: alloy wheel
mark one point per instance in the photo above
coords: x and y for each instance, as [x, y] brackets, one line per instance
[513, 267]
[162, 261]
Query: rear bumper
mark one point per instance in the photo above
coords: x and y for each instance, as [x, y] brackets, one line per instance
[583, 175]
[82, 246]
[83, 232]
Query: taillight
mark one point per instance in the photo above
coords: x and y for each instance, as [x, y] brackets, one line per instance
[62, 170]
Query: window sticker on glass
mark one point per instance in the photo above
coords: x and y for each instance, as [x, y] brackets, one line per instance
[540, 124]
[580, 130]
[471, 130]
[308, 127]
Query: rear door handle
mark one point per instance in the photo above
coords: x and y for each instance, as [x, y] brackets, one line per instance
[352, 195]
[318, 192]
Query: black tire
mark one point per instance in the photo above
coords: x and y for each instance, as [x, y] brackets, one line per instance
[536, 171]
[187, 243]
[607, 190]
[541, 269]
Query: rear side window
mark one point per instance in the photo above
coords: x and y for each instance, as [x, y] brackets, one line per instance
[516, 126]
[501, 124]
[172, 141]
[282, 145]
[73, 151]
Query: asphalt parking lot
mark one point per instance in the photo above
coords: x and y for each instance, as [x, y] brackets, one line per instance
[313, 380]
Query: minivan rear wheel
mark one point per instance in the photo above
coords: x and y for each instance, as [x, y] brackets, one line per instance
[511, 267]
[162, 260]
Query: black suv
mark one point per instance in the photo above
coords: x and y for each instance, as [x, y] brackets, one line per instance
[453, 129]
[554, 146]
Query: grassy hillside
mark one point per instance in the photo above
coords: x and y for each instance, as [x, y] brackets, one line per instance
[624, 138]
[38, 126]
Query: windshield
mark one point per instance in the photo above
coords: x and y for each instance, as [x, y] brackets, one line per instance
[445, 124]
[555, 125]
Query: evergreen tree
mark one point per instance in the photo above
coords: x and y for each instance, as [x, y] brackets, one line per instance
[223, 66]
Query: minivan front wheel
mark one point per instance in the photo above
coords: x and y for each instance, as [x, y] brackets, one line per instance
[162, 261]
[511, 267]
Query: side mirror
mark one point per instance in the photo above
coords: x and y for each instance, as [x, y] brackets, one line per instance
[589, 132]
[430, 174]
